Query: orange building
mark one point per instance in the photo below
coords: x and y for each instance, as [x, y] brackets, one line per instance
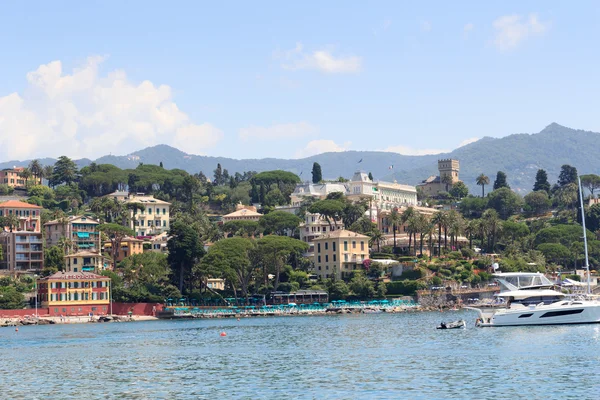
[74, 293]
[12, 177]
[129, 247]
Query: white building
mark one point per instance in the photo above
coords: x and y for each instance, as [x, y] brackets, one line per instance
[154, 219]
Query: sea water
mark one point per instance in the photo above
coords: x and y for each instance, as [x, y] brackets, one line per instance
[363, 356]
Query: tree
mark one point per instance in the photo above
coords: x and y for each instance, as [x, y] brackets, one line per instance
[395, 219]
[537, 203]
[10, 298]
[47, 171]
[459, 190]
[116, 233]
[279, 222]
[242, 228]
[362, 286]
[505, 202]
[185, 249]
[591, 182]
[490, 223]
[554, 252]
[277, 249]
[500, 181]
[54, 260]
[36, 169]
[592, 218]
[331, 210]
[482, 180]
[26, 175]
[568, 175]
[446, 180]
[317, 175]
[65, 171]
[218, 174]
[541, 181]
[439, 219]
[376, 237]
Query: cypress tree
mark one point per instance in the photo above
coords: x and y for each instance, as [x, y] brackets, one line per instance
[317, 176]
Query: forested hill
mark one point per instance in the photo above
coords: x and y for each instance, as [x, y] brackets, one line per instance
[519, 155]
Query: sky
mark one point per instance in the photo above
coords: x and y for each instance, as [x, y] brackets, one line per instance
[290, 80]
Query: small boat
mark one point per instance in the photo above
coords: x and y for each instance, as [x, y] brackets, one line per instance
[453, 325]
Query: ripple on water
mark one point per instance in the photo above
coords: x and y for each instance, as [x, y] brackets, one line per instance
[376, 356]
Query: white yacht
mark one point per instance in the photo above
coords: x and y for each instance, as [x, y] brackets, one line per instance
[529, 299]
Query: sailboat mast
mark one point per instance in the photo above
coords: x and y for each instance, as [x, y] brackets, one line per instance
[585, 246]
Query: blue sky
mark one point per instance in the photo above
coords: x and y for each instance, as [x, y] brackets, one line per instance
[276, 79]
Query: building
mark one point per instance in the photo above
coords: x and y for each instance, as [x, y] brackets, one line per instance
[385, 226]
[317, 191]
[152, 219]
[81, 230]
[156, 243]
[129, 246]
[380, 194]
[339, 253]
[12, 177]
[86, 261]
[243, 214]
[215, 283]
[22, 246]
[314, 226]
[74, 293]
[448, 176]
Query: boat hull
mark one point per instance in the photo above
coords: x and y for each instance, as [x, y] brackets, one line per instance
[578, 313]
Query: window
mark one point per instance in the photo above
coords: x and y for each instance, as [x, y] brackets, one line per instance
[319, 258]
[334, 258]
[362, 246]
[345, 246]
[164, 211]
[326, 258]
[164, 223]
[319, 267]
[318, 247]
[327, 267]
[326, 246]
[142, 222]
[149, 211]
[333, 245]
[353, 244]
[346, 257]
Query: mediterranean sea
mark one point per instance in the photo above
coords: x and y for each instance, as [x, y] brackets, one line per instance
[362, 356]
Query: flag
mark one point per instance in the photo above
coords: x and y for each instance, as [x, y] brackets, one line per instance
[391, 167]
[359, 161]
[300, 173]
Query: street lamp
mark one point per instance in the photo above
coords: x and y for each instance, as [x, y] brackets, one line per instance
[36, 294]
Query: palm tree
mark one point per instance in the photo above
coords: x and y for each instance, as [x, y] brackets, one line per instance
[404, 218]
[482, 180]
[470, 229]
[439, 219]
[36, 170]
[26, 174]
[491, 224]
[376, 237]
[395, 219]
[423, 227]
[455, 226]
[66, 244]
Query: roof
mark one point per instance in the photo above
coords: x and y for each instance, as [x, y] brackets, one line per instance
[74, 218]
[17, 204]
[341, 233]
[84, 254]
[243, 213]
[145, 200]
[61, 275]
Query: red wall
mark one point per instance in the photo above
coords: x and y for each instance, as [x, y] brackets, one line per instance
[118, 309]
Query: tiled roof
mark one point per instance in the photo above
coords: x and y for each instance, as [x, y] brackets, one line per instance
[17, 204]
[341, 233]
[243, 213]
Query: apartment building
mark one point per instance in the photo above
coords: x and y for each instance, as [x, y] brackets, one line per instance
[339, 253]
[22, 246]
[81, 230]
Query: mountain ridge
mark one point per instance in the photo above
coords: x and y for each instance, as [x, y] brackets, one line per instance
[519, 155]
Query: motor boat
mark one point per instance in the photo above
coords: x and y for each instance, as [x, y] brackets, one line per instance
[530, 299]
[453, 325]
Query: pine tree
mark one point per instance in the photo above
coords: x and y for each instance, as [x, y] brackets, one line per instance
[218, 175]
[316, 173]
[541, 181]
[500, 181]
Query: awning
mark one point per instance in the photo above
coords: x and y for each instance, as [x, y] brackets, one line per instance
[83, 234]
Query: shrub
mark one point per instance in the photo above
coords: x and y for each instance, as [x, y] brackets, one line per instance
[455, 255]
[414, 274]
[405, 287]
[5, 190]
[467, 253]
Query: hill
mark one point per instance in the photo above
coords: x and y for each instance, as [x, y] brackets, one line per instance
[519, 155]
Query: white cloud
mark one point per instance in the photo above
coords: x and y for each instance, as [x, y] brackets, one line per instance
[84, 114]
[278, 131]
[320, 60]
[321, 146]
[468, 141]
[511, 30]
[411, 151]
[425, 26]
[468, 28]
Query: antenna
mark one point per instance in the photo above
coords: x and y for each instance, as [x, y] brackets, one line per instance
[587, 264]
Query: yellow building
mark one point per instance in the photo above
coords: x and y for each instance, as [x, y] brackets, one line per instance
[74, 293]
[85, 261]
[339, 253]
[129, 247]
[244, 214]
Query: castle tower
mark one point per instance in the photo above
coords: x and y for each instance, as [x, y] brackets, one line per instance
[449, 167]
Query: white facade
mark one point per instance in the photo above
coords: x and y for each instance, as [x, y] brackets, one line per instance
[154, 219]
[314, 226]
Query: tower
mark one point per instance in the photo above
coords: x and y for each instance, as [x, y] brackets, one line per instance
[449, 167]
